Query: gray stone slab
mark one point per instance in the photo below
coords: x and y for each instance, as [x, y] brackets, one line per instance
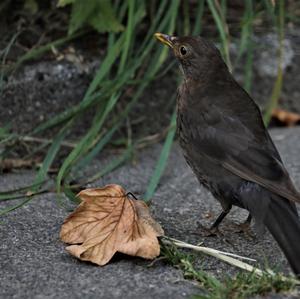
[34, 263]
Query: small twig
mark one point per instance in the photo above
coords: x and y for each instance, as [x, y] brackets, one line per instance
[161, 258]
[146, 141]
[24, 188]
[28, 194]
[44, 140]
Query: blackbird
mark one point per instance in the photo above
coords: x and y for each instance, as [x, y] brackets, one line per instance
[228, 147]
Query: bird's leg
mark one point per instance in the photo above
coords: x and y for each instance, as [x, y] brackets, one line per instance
[214, 229]
[220, 218]
[248, 220]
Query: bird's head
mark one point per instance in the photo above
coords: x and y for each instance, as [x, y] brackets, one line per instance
[198, 57]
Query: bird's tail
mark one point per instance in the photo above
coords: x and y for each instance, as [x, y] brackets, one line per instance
[283, 223]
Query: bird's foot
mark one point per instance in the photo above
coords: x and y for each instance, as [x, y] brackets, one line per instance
[214, 231]
[244, 228]
[210, 231]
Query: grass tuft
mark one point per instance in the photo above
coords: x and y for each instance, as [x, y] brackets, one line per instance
[242, 285]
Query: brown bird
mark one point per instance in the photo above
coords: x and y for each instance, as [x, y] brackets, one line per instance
[225, 142]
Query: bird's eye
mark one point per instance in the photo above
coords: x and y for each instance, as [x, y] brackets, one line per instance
[183, 50]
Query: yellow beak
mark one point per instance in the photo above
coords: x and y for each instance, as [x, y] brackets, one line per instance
[165, 39]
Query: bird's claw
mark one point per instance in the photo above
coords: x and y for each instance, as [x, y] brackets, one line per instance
[214, 232]
[244, 228]
[211, 232]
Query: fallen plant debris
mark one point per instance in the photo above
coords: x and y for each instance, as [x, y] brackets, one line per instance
[108, 221]
[240, 286]
[9, 164]
[285, 117]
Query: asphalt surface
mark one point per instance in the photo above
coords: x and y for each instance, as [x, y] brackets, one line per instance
[34, 263]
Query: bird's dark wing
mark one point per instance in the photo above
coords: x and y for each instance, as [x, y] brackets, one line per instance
[238, 141]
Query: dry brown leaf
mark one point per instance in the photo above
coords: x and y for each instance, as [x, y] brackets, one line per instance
[107, 221]
[286, 117]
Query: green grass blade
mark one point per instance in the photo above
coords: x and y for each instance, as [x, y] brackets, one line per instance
[67, 114]
[166, 25]
[246, 44]
[162, 161]
[85, 142]
[86, 160]
[34, 53]
[186, 18]
[19, 190]
[105, 67]
[219, 19]
[71, 195]
[51, 154]
[114, 164]
[247, 23]
[249, 68]
[4, 132]
[14, 207]
[270, 9]
[273, 102]
[199, 14]
[3, 56]
[148, 41]
[129, 32]
[160, 56]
